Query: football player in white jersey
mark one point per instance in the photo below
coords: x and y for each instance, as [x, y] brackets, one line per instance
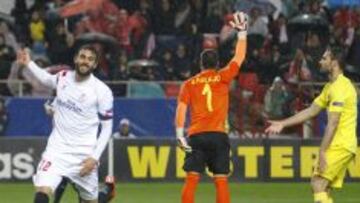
[83, 102]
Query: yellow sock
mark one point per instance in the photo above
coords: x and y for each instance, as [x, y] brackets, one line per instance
[321, 197]
[330, 200]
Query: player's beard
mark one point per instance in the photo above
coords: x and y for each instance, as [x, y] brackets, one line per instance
[82, 73]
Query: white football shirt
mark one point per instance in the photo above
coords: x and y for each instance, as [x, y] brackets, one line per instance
[79, 106]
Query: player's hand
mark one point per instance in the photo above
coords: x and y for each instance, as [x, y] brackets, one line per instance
[182, 143]
[49, 109]
[88, 165]
[275, 127]
[23, 57]
[322, 162]
[240, 22]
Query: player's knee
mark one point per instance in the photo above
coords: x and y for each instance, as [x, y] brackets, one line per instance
[45, 190]
[41, 197]
[221, 175]
[317, 185]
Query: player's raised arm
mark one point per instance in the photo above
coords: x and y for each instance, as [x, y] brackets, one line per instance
[23, 58]
[240, 23]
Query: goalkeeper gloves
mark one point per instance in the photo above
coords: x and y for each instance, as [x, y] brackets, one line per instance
[240, 23]
[181, 140]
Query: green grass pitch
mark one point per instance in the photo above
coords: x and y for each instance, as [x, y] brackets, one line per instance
[170, 193]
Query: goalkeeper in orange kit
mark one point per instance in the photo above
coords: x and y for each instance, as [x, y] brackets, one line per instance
[207, 96]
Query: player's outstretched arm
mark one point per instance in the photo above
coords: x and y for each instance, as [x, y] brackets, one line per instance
[24, 59]
[277, 126]
[240, 23]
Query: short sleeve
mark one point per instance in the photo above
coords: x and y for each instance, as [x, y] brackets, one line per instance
[322, 99]
[105, 103]
[184, 95]
[337, 99]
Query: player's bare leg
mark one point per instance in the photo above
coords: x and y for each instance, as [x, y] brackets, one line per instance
[42, 194]
[320, 189]
[188, 191]
[222, 188]
[108, 192]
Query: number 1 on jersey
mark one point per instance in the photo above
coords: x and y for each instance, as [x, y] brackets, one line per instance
[208, 93]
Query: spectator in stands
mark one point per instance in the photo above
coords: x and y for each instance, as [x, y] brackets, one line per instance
[257, 25]
[213, 21]
[164, 20]
[123, 131]
[140, 32]
[21, 14]
[3, 117]
[120, 72]
[167, 68]
[37, 33]
[276, 100]
[7, 55]
[123, 31]
[280, 35]
[120, 67]
[354, 53]
[10, 38]
[182, 62]
[60, 45]
[299, 69]
[313, 52]
[92, 22]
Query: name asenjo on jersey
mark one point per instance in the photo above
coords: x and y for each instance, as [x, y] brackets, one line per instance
[210, 79]
[69, 105]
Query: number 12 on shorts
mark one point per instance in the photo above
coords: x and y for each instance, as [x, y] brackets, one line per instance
[44, 165]
[208, 93]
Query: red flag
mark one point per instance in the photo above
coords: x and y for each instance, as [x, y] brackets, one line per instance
[79, 6]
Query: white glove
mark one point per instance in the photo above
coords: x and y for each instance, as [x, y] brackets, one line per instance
[240, 23]
[181, 140]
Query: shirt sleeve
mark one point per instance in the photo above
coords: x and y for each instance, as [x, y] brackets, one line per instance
[184, 95]
[337, 99]
[43, 76]
[105, 104]
[322, 99]
[229, 72]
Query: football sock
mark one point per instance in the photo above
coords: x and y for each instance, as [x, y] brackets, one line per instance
[188, 191]
[222, 190]
[60, 191]
[321, 197]
[103, 197]
[330, 200]
[41, 197]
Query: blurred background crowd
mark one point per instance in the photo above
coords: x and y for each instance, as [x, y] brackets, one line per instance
[160, 40]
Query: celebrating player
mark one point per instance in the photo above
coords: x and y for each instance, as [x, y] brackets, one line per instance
[73, 149]
[207, 95]
[339, 144]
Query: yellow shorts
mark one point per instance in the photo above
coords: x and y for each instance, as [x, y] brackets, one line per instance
[338, 161]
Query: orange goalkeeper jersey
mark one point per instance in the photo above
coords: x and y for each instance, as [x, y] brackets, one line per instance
[207, 95]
